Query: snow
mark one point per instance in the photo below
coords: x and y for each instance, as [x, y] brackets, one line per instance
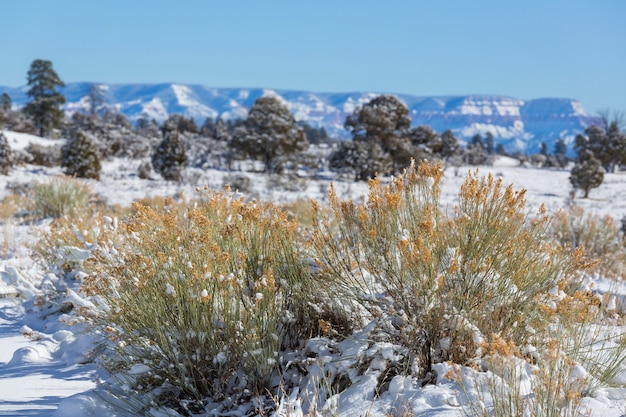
[154, 109]
[20, 141]
[187, 98]
[46, 364]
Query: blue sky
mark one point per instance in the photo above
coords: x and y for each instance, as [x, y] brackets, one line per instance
[524, 49]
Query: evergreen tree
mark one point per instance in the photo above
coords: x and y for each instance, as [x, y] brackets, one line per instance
[383, 120]
[314, 135]
[147, 127]
[363, 159]
[180, 123]
[45, 105]
[170, 157]
[490, 143]
[607, 144]
[543, 149]
[6, 155]
[269, 133]
[449, 145]
[475, 153]
[560, 147]
[96, 98]
[477, 140]
[587, 173]
[560, 152]
[5, 102]
[80, 158]
[208, 128]
[222, 130]
[616, 143]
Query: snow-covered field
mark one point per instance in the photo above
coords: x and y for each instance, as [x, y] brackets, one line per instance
[44, 366]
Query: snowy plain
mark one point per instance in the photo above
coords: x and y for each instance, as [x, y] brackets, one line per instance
[44, 362]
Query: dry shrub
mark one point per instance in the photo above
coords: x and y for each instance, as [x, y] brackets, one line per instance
[12, 205]
[204, 294]
[442, 285]
[599, 236]
[301, 210]
[60, 197]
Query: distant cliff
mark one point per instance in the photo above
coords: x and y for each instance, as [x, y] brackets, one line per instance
[517, 124]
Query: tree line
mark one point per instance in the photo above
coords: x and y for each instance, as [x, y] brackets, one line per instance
[382, 139]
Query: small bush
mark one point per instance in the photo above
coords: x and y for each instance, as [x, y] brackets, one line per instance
[79, 157]
[443, 285]
[599, 236]
[238, 182]
[47, 156]
[170, 159]
[205, 295]
[144, 171]
[13, 204]
[7, 159]
[59, 197]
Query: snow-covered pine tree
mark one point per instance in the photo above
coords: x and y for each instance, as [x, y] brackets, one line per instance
[270, 133]
[6, 155]
[79, 157]
[170, 157]
[587, 173]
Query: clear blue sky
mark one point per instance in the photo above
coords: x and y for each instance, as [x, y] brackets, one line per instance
[520, 48]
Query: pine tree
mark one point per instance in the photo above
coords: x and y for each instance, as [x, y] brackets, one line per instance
[560, 147]
[385, 121]
[5, 102]
[616, 144]
[170, 157]
[450, 147]
[587, 173]
[96, 98]
[607, 144]
[80, 158]
[208, 128]
[45, 105]
[180, 123]
[560, 153]
[475, 153]
[490, 143]
[477, 140]
[270, 133]
[363, 159]
[6, 155]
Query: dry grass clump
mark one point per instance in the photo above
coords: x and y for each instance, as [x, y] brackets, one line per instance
[59, 197]
[599, 236]
[12, 205]
[204, 294]
[443, 285]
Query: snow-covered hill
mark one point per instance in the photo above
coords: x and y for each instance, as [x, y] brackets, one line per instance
[518, 124]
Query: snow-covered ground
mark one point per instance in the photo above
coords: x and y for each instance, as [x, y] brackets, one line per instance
[44, 362]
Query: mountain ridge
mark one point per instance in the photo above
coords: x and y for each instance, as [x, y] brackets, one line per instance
[520, 125]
